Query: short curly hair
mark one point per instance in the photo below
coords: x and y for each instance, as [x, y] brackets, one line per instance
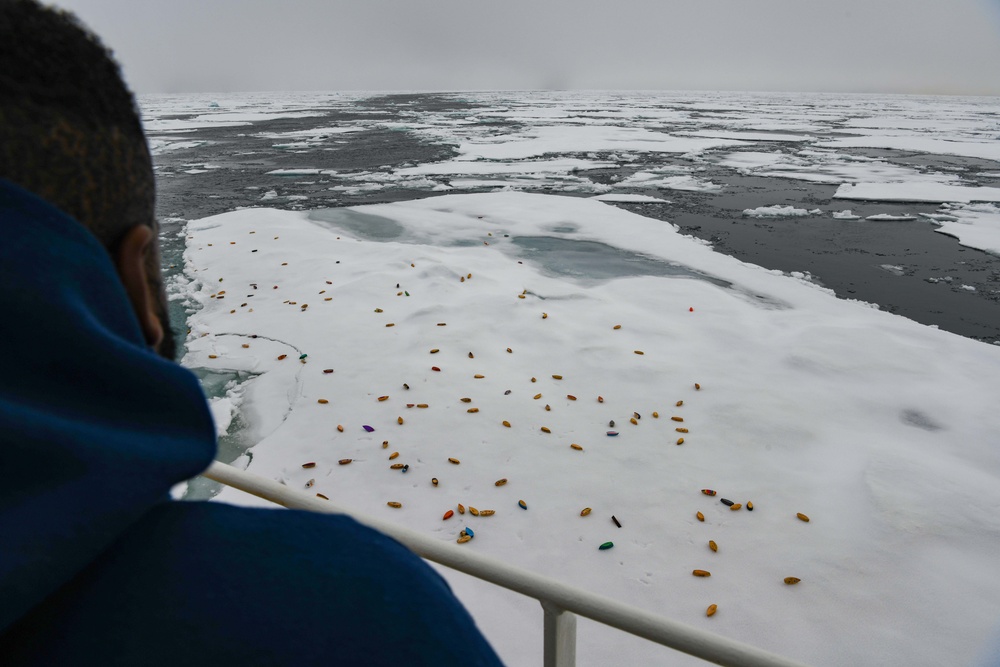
[69, 126]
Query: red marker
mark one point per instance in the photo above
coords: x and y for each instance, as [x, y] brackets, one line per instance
[708, 492]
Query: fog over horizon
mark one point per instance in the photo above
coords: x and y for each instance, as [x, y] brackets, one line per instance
[892, 46]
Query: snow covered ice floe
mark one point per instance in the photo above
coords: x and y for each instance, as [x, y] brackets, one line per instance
[882, 431]
[917, 192]
[889, 217]
[776, 211]
[974, 225]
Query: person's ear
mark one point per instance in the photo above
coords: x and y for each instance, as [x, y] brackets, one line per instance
[131, 262]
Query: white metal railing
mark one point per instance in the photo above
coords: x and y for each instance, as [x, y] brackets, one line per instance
[559, 601]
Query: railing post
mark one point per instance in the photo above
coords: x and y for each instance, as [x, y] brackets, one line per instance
[560, 636]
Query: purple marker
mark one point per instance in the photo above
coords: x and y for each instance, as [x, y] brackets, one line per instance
[367, 428]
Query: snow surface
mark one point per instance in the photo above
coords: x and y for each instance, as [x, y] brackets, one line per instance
[881, 430]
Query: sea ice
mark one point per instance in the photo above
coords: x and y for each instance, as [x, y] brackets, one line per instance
[917, 192]
[845, 215]
[974, 225]
[888, 217]
[776, 211]
[881, 430]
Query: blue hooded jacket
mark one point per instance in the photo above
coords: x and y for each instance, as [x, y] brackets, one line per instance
[98, 566]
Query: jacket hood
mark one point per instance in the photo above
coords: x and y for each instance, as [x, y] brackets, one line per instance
[94, 427]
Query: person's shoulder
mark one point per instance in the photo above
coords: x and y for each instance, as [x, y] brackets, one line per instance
[325, 584]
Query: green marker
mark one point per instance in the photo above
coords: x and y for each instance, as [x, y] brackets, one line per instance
[606, 545]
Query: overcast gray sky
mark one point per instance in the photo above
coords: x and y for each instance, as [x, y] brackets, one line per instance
[908, 46]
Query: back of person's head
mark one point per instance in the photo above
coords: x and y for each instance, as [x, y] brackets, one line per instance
[69, 127]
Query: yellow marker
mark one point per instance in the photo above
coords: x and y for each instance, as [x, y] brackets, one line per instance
[616, 327]
[680, 441]
[506, 423]
[394, 504]
[473, 410]
[792, 580]
[656, 415]
[701, 517]
[487, 512]
[473, 511]
[712, 608]
[701, 573]
[576, 447]
[802, 517]
[585, 511]
[537, 396]
[453, 460]
[322, 401]
[545, 429]
[399, 420]
[383, 398]
[393, 455]
[557, 377]
[712, 545]
[500, 482]
[465, 400]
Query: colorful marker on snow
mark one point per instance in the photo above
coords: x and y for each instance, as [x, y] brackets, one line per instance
[606, 545]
